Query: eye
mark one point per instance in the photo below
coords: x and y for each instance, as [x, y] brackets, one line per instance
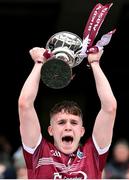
[61, 121]
[74, 122]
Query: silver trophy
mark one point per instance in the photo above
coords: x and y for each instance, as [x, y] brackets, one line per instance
[65, 47]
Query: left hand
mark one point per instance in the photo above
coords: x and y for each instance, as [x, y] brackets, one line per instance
[95, 56]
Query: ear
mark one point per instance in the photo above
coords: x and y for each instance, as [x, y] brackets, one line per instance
[50, 130]
[82, 131]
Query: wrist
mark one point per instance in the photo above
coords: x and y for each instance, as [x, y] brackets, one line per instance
[94, 61]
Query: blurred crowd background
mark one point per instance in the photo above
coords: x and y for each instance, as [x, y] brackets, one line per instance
[25, 24]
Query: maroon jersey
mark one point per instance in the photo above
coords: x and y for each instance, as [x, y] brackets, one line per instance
[47, 162]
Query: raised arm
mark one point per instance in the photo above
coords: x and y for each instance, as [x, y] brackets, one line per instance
[104, 123]
[29, 122]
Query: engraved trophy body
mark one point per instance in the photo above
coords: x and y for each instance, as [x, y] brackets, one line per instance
[65, 47]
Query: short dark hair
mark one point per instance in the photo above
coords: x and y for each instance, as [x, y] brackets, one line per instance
[70, 107]
[122, 141]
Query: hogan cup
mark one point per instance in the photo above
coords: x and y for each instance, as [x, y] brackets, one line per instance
[65, 48]
[68, 49]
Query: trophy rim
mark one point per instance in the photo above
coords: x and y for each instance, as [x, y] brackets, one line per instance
[68, 32]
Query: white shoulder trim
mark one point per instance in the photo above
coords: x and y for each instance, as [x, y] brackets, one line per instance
[100, 150]
[32, 150]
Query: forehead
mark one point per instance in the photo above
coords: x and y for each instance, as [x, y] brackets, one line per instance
[67, 116]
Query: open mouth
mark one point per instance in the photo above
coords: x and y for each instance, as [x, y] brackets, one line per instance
[67, 139]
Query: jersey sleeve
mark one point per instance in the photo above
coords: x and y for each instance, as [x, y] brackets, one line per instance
[32, 155]
[98, 156]
[32, 150]
[101, 154]
[100, 150]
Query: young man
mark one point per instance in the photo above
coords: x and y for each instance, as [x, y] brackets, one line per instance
[65, 159]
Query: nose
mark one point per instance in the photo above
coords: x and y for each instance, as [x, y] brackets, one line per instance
[68, 127]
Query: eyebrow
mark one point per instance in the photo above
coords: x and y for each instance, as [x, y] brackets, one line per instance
[71, 120]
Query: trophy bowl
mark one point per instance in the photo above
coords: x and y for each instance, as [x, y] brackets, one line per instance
[65, 47]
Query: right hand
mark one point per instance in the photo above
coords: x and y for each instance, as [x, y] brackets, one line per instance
[95, 56]
[36, 54]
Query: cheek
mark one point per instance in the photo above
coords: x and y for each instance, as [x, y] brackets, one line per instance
[57, 131]
[80, 131]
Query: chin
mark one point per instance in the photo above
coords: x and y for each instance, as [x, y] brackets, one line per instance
[68, 151]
